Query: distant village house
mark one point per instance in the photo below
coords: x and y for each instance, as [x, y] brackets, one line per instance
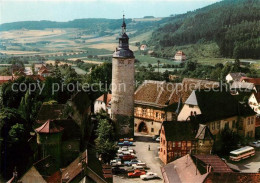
[180, 56]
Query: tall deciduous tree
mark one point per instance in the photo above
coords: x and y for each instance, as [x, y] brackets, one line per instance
[105, 144]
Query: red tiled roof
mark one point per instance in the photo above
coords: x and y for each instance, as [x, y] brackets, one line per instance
[37, 77]
[162, 94]
[75, 168]
[4, 79]
[102, 98]
[215, 162]
[49, 127]
[232, 177]
[182, 170]
[54, 178]
[43, 71]
[256, 81]
[158, 93]
[180, 53]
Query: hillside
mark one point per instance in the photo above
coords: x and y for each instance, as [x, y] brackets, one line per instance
[234, 25]
[89, 25]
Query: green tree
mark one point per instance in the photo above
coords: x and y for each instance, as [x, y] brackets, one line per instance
[105, 144]
[17, 133]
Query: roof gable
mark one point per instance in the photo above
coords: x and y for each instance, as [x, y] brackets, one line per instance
[192, 100]
[32, 175]
[102, 98]
[49, 127]
[203, 133]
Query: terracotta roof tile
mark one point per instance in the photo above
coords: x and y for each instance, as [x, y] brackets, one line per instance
[215, 162]
[162, 94]
[182, 170]
[4, 79]
[49, 127]
[232, 177]
[75, 168]
[256, 81]
[102, 98]
[157, 93]
[179, 53]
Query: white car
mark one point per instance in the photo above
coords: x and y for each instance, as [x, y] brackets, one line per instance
[115, 162]
[157, 139]
[149, 175]
[139, 164]
[255, 144]
[125, 150]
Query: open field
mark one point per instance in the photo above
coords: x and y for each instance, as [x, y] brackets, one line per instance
[87, 61]
[79, 71]
[145, 60]
[73, 44]
[52, 62]
[16, 52]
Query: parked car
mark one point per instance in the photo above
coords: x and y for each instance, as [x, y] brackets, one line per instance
[136, 173]
[131, 162]
[117, 170]
[139, 165]
[124, 148]
[115, 162]
[127, 157]
[126, 139]
[129, 150]
[255, 144]
[157, 139]
[149, 176]
[125, 143]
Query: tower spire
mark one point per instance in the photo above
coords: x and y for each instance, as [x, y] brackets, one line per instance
[123, 25]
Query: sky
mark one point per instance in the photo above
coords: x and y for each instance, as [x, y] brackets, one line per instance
[65, 10]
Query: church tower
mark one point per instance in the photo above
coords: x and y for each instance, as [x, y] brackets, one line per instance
[123, 86]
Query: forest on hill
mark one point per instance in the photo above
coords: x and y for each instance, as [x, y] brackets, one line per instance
[90, 25]
[233, 24]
